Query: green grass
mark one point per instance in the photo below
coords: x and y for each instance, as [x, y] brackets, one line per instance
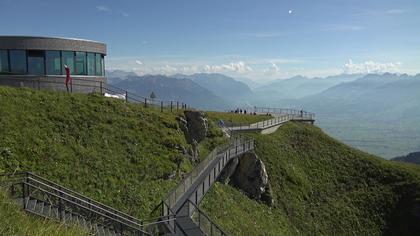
[125, 155]
[120, 154]
[321, 187]
[17, 223]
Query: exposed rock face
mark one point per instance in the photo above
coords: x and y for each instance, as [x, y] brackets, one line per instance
[196, 126]
[248, 173]
[228, 171]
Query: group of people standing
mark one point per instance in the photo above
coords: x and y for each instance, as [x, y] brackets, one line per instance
[240, 111]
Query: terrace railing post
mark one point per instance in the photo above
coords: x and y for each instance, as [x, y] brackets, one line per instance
[24, 192]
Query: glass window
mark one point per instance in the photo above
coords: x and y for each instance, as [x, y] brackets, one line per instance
[36, 64]
[53, 61]
[91, 63]
[98, 60]
[80, 63]
[103, 64]
[68, 59]
[18, 61]
[4, 62]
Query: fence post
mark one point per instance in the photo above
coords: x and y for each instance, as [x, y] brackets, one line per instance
[161, 106]
[126, 96]
[71, 86]
[171, 106]
[24, 195]
[100, 85]
[177, 105]
[39, 84]
[145, 102]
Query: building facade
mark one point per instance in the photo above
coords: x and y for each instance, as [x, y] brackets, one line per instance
[38, 62]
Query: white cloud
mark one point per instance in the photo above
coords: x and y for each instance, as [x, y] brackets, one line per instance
[273, 69]
[238, 67]
[102, 8]
[371, 67]
[290, 11]
[138, 62]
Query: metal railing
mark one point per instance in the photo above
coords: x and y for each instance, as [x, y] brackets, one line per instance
[259, 125]
[29, 186]
[235, 143]
[194, 186]
[282, 111]
[207, 226]
[87, 85]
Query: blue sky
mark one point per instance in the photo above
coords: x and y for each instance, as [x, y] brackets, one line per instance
[261, 40]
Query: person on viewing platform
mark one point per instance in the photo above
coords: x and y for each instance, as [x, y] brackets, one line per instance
[68, 78]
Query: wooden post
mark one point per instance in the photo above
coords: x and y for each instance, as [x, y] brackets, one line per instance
[145, 102]
[171, 106]
[161, 106]
[126, 96]
[100, 86]
[177, 105]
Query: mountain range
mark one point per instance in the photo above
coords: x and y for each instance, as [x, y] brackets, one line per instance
[378, 113]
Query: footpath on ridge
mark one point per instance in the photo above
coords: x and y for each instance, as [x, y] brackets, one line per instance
[182, 202]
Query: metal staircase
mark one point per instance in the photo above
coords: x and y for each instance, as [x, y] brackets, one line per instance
[47, 199]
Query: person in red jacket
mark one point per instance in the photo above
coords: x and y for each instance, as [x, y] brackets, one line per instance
[68, 78]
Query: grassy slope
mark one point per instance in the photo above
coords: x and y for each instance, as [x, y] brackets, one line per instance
[321, 187]
[215, 135]
[120, 154]
[16, 222]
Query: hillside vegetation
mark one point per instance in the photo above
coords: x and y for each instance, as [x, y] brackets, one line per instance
[120, 154]
[321, 187]
[129, 157]
[14, 221]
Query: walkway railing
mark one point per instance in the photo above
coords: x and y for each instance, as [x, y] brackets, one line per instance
[196, 184]
[88, 86]
[282, 111]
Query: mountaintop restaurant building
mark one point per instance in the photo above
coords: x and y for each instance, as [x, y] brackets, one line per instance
[38, 62]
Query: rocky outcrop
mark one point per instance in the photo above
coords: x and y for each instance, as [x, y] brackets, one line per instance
[228, 171]
[194, 126]
[248, 173]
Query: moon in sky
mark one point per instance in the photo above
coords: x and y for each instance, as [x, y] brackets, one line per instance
[290, 11]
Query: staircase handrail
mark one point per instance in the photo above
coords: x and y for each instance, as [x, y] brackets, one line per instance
[85, 208]
[72, 192]
[73, 198]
